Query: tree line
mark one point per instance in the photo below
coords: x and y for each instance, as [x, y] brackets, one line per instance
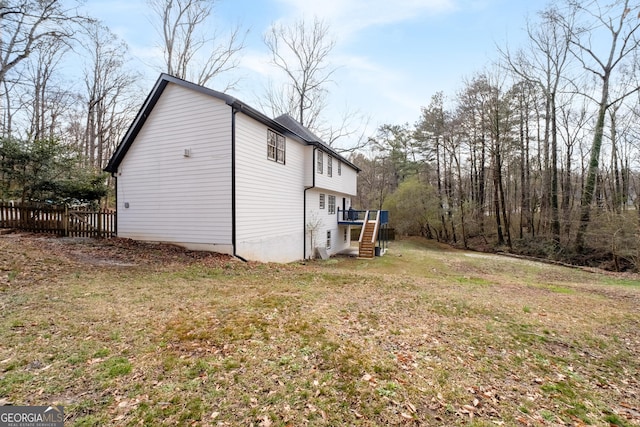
[537, 154]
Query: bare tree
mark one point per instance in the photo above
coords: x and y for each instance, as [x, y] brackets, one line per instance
[620, 23]
[30, 27]
[47, 99]
[28, 24]
[107, 82]
[7, 107]
[192, 49]
[302, 52]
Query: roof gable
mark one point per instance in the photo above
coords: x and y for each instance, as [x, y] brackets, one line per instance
[285, 123]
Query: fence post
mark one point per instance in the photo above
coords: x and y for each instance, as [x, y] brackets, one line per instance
[99, 222]
[66, 221]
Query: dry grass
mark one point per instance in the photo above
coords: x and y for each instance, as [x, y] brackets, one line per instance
[130, 334]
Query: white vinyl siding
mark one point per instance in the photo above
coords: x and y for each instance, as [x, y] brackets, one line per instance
[172, 197]
[345, 182]
[269, 196]
[323, 222]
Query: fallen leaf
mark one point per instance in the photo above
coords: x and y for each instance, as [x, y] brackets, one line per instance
[265, 421]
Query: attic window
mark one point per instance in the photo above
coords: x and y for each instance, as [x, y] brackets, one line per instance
[275, 146]
[339, 168]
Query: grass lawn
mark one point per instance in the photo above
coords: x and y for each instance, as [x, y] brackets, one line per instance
[123, 333]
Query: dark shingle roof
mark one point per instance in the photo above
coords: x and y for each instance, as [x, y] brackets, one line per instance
[291, 124]
[309, 137]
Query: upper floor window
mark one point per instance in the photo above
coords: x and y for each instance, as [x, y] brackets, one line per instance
[320, 161]
[275, 146]
[332, 204]
[339, 168]
[329, 166]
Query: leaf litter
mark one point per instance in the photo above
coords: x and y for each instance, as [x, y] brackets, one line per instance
[130, 333]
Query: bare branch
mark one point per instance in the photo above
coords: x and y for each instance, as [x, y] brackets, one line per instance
[28, 24]
[191, 50]
[302, 53]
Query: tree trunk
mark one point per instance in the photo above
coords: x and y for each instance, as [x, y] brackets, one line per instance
[555, 214]
[592, 173]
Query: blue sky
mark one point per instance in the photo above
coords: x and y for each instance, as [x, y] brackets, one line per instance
[392, 55]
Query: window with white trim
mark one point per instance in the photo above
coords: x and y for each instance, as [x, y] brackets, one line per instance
[321, 201]
[275, 146]
[320, 161]
[332, 204]
[345, 234]
[328, 239]
[329, 166]
[339, 168]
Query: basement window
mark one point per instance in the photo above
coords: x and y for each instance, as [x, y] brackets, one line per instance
[275, 146]
[328, 239]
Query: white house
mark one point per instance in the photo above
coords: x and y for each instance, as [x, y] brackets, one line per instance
[203, 170]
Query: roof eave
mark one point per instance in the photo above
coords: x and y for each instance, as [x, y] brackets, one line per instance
[239, 106]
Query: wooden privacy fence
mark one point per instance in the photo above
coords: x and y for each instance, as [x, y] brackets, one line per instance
[59, 220]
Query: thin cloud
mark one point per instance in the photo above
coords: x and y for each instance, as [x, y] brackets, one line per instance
[354, 15]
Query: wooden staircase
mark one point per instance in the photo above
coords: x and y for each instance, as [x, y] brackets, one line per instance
[367, 243]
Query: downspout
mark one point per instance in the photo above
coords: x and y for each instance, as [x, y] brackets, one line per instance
[233, 182]
[304, 214]
[115, 187]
